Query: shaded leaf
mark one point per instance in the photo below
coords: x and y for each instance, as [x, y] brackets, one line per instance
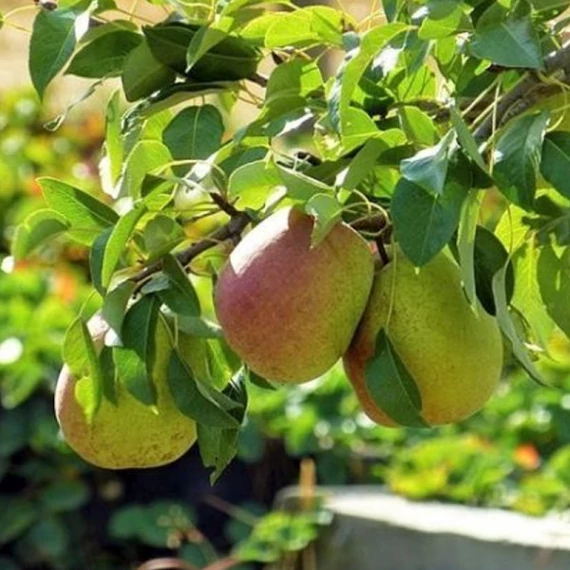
[326, 212]
[104, 56]
[424, 223]
[38, 228]
[79, 208]
[517, 158]
[553, 273]
[507, 38]
[353, 68]
[508, 327]
[195, 133]
[390, 385]
[428, 168]
[51, 45]
[137, 85]
[555, 163]
[180, 296]
[116, 243]
[196, 399]
[135, 359]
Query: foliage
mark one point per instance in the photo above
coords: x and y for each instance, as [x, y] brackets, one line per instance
[428, 123]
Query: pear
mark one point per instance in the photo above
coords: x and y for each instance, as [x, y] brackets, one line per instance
[129, 434]
[452, 350]
[287, 309]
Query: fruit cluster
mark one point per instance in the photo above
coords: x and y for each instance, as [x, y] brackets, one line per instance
[414, 348]
[291, 310]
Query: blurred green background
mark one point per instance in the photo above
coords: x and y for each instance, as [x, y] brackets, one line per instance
[57, 512]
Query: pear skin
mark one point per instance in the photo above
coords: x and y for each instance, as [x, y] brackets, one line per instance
[287, 309]
[129, 434]
[453, 351]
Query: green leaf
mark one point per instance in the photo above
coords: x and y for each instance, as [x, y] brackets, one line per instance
[555, 163]
[295, 78]
[137, 85]
[356, 62]
[217, 448]
[38, 228]
[115, 304]
[547, 5]
[80, 355]
[488, 257]
[194, 134]
[161, 235]
[216, 56]
[199, 327]
[253, 183]
[466, 139]
[306, 27]
[553, 273]
[64, 495]
[81, 210]
[48, 537]
[517, 158]
[507, 38]
[390, 385]
[169, 44]
[104, 56]
[196, 399]
[428, 168]
[96, 256]
[300, 186]
[51, 45]
[135, 359]
[116, 244]
[326, 212]
[424, 223]
[180, 296]
[508, 327]
[108, 375]
[466, 243]
[146, 157]
[442, 19]
[126, 522]
[366, 158]
[417, 125]
[16, 516]
[113, 137]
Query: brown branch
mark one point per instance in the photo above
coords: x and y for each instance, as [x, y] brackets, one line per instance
[374, 223]
[167, 564]
[231, 230]
[528, 92]
[261, 80]
[223, 204]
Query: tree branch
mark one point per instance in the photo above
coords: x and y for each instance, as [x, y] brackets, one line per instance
[528, 92]
[231, 230]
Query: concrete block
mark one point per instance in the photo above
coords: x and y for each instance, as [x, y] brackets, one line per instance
[374, 530]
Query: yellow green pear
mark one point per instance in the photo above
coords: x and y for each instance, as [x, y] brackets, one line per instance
[288, 309]
[453, 352]
[129, 434]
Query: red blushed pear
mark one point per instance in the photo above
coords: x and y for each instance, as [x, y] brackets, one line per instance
[287, 309]
[453, 351]
[129, 434]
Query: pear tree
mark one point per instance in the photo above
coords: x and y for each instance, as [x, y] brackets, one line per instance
[287, 188]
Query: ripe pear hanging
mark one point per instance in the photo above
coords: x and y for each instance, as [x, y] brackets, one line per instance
[453, 351]
[129, 434]
[288, 309]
